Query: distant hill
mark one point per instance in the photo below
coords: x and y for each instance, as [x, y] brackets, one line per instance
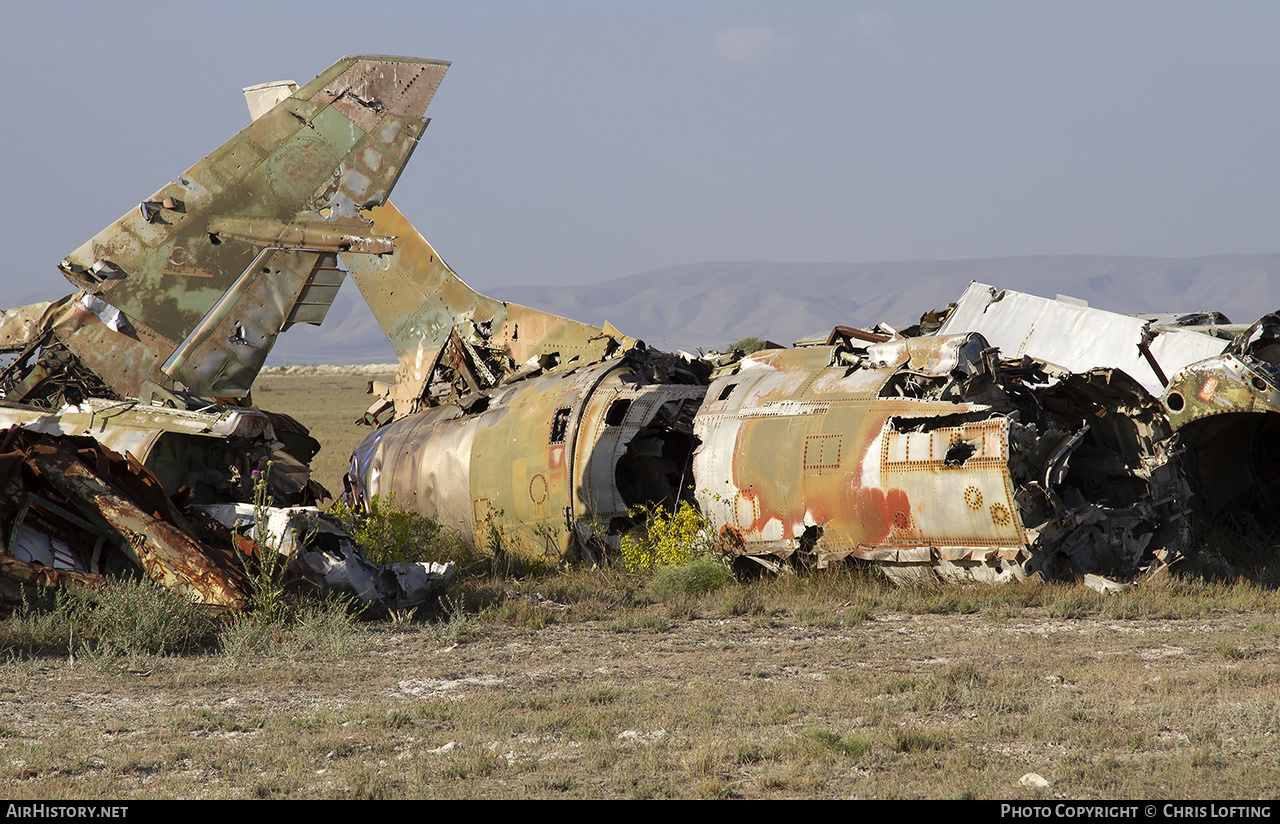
[709, 305]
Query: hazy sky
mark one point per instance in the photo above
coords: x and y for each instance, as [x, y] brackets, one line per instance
[579, 141]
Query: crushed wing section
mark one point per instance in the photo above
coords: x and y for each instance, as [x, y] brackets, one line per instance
[1075, 337]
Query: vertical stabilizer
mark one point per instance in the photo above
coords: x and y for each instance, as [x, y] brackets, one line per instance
[202, 276]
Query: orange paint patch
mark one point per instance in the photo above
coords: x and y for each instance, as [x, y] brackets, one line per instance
[872, 507]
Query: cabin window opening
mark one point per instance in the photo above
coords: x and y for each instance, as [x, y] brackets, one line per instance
[560, 426]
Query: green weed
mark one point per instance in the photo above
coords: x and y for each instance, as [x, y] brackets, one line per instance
[697, 576]
[325, 627]
[852, 747]
[388, 534]
[123, 617]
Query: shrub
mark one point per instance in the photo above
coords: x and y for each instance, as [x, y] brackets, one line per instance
[853, 747]
[747, 345]
[679, 548]
[388, 534]
[699, 576]
[123, 617]
[139, 616]
[325, 627]
[667, 538]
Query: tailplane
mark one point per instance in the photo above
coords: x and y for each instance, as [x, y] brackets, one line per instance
[449, 338]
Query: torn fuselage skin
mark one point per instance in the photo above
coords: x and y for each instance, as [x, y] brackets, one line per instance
[552, 464]
[931, 456]
[1226, 413]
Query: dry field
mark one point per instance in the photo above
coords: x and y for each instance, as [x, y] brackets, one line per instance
[328, 400]
[584, 684]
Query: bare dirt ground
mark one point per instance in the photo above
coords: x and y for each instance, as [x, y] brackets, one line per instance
[655, 704]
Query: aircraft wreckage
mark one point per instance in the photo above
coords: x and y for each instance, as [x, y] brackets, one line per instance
[131, 445]
[1008, 436]
[927, 455]
[949, 454]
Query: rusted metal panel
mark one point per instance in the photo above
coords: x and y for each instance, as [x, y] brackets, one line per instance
[81, 339]
[207, 452]
[168, 555]
[73, 512]
[73, 486]
[16, 574]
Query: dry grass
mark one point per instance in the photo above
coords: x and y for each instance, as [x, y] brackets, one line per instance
[580, 685]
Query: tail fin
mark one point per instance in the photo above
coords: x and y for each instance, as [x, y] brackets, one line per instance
[432, 318]
[202, 276]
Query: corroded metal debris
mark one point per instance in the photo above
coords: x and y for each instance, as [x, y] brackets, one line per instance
[1218, 383]
[74, 508]
[128, 402]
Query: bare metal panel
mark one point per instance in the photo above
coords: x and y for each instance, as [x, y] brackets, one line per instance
[1076, 337]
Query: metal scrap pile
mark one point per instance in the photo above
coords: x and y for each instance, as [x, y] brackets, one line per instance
[73, 511]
